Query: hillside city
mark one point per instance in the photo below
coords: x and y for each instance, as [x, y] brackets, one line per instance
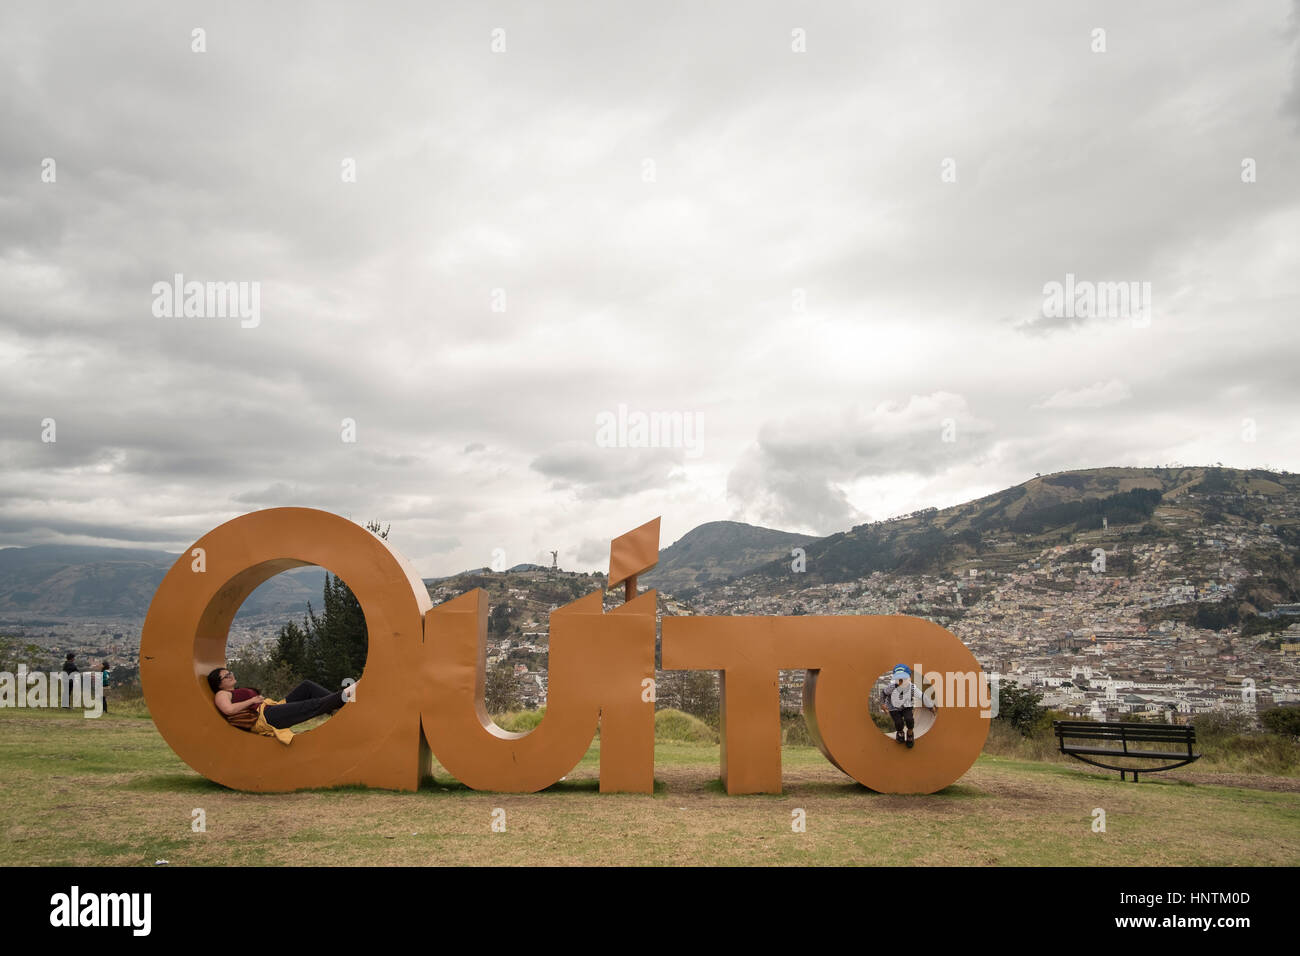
[1084, 632]
[1056, 625]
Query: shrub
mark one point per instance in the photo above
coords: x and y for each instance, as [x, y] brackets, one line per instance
[273, 680]
[520, 721]
[1218, 725]
[1283, 721]
[794, 731]
[1250, 753]
[1021, 707]
[677, 726]
[1005, 740]
[881, 719]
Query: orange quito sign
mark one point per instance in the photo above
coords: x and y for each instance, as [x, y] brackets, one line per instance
[422, 690]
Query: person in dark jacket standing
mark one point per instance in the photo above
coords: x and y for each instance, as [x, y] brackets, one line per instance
[69, 669]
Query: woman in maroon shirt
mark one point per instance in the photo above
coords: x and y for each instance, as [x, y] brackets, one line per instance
[240, 705]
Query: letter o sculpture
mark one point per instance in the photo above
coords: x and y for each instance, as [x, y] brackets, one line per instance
[839, 695]
[375, 740]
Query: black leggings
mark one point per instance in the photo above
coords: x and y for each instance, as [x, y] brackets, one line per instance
[304, 702]
[901, 717]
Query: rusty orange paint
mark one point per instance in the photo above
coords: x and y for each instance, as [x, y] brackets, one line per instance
[597, 665]
[423, 682]
[633, 553]
[373, 741]
[844, 657]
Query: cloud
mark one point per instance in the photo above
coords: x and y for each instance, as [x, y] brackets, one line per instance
[593, 472]
[795, 476]
[594, 552]
[779, 178]
[1096, 395]
[275, 495]
[1039, 325]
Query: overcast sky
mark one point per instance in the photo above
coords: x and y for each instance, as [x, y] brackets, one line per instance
[822, 235]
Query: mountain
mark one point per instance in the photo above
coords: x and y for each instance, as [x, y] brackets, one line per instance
[1086, 508]
[994, 533]
[719, 550]
[79, 581]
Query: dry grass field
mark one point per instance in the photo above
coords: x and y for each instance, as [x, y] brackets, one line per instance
[109, 792]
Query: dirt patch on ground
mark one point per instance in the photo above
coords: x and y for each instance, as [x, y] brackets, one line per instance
[1248, 781]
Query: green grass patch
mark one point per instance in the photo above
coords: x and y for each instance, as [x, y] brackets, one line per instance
[520, 721]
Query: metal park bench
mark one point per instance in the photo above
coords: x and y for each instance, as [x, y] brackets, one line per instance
[1112, 739]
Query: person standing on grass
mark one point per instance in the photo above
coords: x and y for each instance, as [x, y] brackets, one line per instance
[103, 687]
[69, 675]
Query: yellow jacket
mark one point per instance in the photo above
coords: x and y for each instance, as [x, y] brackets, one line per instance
[282, 734]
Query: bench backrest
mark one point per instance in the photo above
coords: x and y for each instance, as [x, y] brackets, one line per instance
[1115, 730]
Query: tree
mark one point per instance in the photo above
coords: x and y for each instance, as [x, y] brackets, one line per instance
[337, 637]
[1215, 479]
[1282, 720]
[291, 647]
[1216, 616]
[1021, 707]
[332, 645]
[501, 688]
[693, 692]
[254, 668]
[499, 620]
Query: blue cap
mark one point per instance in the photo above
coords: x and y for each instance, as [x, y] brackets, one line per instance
[901, 671]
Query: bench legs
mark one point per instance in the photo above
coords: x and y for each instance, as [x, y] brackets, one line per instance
[1125, 771]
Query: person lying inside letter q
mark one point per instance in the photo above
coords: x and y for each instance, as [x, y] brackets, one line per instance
[247, 709]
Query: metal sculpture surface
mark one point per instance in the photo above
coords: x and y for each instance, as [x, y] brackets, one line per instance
[422, 689]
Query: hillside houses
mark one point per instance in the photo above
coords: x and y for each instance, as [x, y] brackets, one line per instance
[1098, 639]
[1053, 619]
